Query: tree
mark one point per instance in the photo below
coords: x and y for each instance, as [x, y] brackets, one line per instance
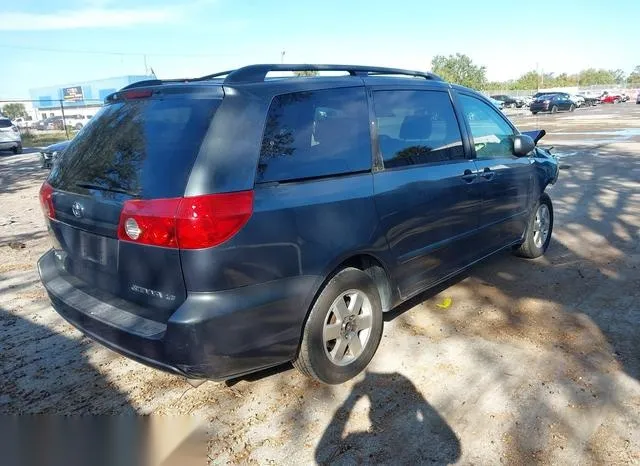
[619, 76]
[14, 110]
[634, 77]
[592, 76]
[306, 73]
[459, 69]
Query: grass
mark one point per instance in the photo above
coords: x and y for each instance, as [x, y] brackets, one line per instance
[43, 139]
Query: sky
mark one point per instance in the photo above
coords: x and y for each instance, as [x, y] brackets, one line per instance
[45, 43]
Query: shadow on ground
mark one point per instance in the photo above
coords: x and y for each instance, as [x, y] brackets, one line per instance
[18, 172]
[44, 372]
[407, 432]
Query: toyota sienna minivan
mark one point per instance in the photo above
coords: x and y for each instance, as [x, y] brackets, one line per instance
[213, 227]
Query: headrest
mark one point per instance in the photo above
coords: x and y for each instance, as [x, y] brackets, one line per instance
[416, 127]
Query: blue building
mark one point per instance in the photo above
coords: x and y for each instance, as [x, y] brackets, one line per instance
[79, 97]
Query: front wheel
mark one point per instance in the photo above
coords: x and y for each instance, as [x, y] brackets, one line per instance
[343, 329]
[554, 109]
[17, 149]
[539, 228]
[535, 113]
[571, 108]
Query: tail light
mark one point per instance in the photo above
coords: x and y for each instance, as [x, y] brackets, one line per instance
[187, 222]
[46, 200]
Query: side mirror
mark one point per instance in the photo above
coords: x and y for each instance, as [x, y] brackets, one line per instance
[522, 145]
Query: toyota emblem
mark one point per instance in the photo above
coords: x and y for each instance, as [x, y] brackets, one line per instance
[77, 209]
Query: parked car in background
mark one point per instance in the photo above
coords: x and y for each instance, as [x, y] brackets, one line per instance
[76, 121]
[610, 98]
[638, 98]
[10, 137]
[552, 103]
[589, 101]
[23, 123]
[54, 122]
[526, 100]
[508, 101]
[51, 154]
[257, 225]
[497, 103]
[578, 100]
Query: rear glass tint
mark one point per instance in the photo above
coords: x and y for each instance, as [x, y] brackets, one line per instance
[5, 123]
[315, 133]
[144, 147]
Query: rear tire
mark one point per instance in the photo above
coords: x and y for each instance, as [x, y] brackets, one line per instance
[535, 113]
[539, 229]
[78, 126]
[343, 329]
[17, 149]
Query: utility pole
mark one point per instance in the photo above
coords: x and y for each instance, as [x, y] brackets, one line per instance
[64, 120]
[145, 64]
[282, 56]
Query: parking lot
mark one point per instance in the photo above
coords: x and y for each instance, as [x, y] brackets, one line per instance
[531, 362]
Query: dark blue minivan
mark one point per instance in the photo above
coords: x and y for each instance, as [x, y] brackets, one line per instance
[217, 226]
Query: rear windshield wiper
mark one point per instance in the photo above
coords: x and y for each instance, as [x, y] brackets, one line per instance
[87, 185]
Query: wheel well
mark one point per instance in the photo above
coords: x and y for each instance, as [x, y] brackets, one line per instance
[372, 267]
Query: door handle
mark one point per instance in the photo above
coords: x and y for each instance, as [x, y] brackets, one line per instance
[468, 176]
[488, 174]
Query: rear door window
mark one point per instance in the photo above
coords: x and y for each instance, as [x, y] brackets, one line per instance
[417, 127]
[142, 147]
[315, 133]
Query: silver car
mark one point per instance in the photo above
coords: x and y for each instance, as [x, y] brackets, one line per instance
[10, 138]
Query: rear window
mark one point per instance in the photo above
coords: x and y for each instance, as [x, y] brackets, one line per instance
[4, 123]
[143, 147]
[315, 133]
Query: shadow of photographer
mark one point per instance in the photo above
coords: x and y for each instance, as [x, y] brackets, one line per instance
[404, 428]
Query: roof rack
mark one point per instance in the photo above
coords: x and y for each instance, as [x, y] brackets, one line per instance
[257, 73]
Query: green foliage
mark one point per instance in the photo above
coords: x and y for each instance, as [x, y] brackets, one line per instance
[592, 76]
[634, 77]
[14, 110]
[306, 73]
[459, 69]
[36, 139]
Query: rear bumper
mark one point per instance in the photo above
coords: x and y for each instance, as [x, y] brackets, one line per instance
[216, 335]
[9, 144]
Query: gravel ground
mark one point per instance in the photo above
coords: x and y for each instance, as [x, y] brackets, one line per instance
[533, 362]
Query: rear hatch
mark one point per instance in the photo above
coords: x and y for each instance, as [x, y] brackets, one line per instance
[140, 146]
[8, 132]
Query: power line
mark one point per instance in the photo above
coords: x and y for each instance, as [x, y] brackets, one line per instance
[106, 52]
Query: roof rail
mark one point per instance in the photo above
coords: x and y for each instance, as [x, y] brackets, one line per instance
[257, 73]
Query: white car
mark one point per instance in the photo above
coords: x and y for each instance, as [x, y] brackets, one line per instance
[526, 101]
[10, 138]
[578, 100]
[76, 121]
[22, 123]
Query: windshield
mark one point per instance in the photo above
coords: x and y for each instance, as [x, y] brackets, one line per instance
[142, 147]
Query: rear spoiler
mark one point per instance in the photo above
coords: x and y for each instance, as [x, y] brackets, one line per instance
[536, 135]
